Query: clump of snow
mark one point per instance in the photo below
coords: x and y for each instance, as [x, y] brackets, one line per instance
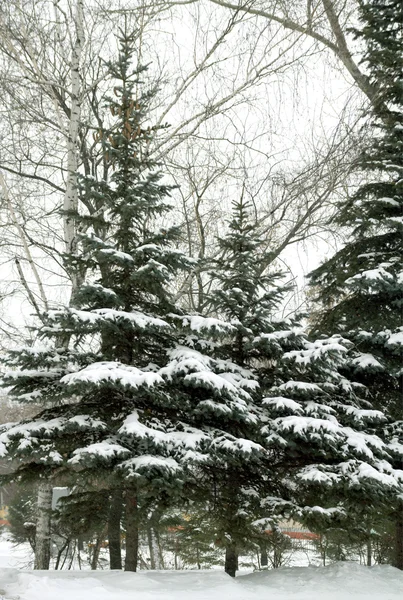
[145, 463]
[281, 403]
[372, 274]
[200, 324]
[113, 372]
[300, 386]
[396, 339]
[365, 361]
[105, 449]
[117, 254]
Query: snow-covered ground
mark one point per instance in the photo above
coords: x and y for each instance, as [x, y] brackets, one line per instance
[11, 555]
[341, 581]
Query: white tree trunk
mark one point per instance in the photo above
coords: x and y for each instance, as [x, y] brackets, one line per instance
[155, 550]
[42, 538]
[71, 195]
[42, 546]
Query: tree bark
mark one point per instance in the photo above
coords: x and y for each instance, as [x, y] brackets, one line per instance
[70, 202]
[151, 547]
[132, 529]
[231, 559]
[114, 518]
[97, 550]
[42, 539]
[156, 559]
[264, 561]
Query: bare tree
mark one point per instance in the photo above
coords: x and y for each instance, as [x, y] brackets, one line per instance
[215, 82]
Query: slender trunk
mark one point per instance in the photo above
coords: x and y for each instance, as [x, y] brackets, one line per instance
[264, 561]
[156, 559]
[72, 558]
[42, 538]
[231, 559]
[198, 557]
[79, 553]
[71, 195]
[151, 547]
[398, 558]
[155, 542]
[132, 529]
[60, 553]
[97, 550]
[345, 56]
[369, 553]
[114, 518]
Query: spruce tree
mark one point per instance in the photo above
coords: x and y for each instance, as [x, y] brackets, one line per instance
[361, 286]
[317, 430]
[125, 404]
[113, 339]
[247, 296]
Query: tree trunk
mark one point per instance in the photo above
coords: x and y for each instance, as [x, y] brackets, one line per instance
[198, 557]
[264, 561]
[42, 538]
[114, 518]
[231, 559]
[97, 550]
[155, 549]
[151, 547]
[71, 195]
[398, 558]
[132, 529]
[369, 553]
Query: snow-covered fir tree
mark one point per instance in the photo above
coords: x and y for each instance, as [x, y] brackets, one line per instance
[318, 435]
[124, 404]
[361, 286]
[241, 302]
[247, 296]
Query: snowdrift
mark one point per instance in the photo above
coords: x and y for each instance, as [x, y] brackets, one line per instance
[341, 581]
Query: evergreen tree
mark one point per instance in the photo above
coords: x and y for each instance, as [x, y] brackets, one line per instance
[361, 286]
[248, 298]
[124, 402]
[319, 434]
[244, 293]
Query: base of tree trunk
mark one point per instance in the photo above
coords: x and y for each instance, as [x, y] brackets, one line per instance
[42, 537]
[231, 560]
[132, 529]
[264, 560]
[114, 519]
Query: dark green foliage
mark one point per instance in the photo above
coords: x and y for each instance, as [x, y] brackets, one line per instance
[315, 431]
[127, 400]
[247, 293]
[192, 540]
[361, 287]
